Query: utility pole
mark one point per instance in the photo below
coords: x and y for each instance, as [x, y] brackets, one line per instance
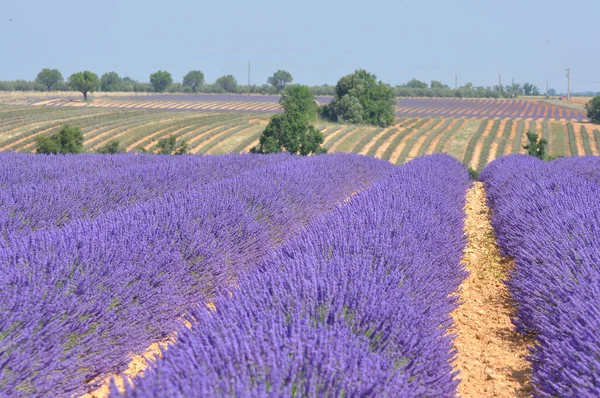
[569, 84]
[248, 73]
[455, 81]
[500, 81]
[546, 87]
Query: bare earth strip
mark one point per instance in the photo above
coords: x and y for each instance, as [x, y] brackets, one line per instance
[491, 354]
[479, 145]
[511, 138]
[366, 148]
[494, 148]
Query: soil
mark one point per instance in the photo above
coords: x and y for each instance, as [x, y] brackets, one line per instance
[366, 148]
[490, 353]
[493, 154]
[479, 144]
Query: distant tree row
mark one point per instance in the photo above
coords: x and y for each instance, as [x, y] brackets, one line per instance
[160, 81]
[194, 82]
[417, 88]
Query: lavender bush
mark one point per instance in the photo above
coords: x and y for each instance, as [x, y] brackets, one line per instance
[78, 299]
[358, 304]
[547, 217]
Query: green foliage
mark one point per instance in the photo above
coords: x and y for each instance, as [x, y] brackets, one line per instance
[227, 83]
[161, 80]
[170, 146]
[280, 79]
[298, 99]
[84, 82]
[593, 109]
[290, 132]
[112, 147]
[110, 81]
[348, 109]
[536, 146]
[67, 140]
[437, 85]
[414, 83]
[376, 99]
[473, 173]
[49, 77]
[551, 92]
[530, 89]
[194, 79]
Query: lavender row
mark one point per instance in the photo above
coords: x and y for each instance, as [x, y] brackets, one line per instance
[78, 300]
[357, 305]
[547, 217]
[119, 181]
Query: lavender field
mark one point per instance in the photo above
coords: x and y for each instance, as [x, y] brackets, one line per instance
[278, 275]
[547, 217]
[268, 104]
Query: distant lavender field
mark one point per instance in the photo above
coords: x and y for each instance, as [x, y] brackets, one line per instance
[414, 107]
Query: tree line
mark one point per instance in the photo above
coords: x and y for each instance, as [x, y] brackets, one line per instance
[194, 82]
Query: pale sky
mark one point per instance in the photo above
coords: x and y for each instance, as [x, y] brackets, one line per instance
[316, 41]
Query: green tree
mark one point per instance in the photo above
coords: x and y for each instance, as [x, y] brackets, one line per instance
[536, 147]
[112, 147]
[376, 98]
[299, 99]
[290, 132]
[280, 79]
[161, 80]
[593, 109]
[110, 81]
[530, 89]
[414, 83]
[84, 82]
[49, 77]
[67, 140]
[170, 146]
[437, 85]
[349, 110]
[227, 83]
[193, 79]
[552, 92]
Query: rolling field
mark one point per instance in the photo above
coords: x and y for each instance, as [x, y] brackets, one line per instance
[421, 107]
[474, 140]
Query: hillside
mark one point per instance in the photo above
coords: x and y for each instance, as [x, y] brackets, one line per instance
[475, 140]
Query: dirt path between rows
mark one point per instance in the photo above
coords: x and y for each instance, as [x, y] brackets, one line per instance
[491, 354]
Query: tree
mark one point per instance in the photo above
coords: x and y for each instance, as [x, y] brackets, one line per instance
[376, 99]
[536, 147]
[227, 83]
[290, 132]
[84, 82]
[193, 79]
[414, 83]
[299, 99]
[514, 90]
[280, 79]
[552, 92]
[161, 80]
[530, 89]
[170, 146]
[349, 110]
[67, 140]
[112, 147]
[49, 77]
[110, 81]
[436, 84]
[593, 109]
